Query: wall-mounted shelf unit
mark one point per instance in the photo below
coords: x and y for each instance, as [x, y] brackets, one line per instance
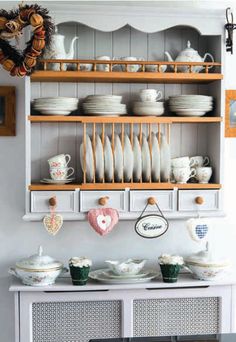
[193, 136]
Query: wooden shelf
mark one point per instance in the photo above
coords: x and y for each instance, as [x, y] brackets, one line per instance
[124, 119]
[122, 186]
[123, 77]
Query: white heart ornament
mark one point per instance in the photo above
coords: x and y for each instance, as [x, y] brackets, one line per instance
[198, 229]
[103, 221]
[53, 223]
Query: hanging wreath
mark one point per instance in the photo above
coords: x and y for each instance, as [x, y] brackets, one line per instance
[21, 63]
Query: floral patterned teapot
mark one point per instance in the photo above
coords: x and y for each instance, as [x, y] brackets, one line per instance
[189, 55]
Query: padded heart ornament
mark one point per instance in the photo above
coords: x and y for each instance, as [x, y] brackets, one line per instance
[103, 220]
[53, 223]
[198, 229]
[11, 27]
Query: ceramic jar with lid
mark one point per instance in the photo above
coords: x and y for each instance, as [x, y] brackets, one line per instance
[38, 269]
[207, 266]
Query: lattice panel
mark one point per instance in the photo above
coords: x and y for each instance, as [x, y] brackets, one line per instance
[176, 316]
[76, 321]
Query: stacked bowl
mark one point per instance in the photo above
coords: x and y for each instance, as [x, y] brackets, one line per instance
[148, 106]
[191, 105]
[55, 105]
[103, 105]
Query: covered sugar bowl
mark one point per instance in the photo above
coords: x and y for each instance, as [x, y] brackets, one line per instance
[38, 269]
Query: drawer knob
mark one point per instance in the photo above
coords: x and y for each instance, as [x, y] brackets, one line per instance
[53, 201]
[152, 200]
[199, 200]
[103, 200]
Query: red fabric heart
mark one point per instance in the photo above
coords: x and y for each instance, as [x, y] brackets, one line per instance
[103, 220]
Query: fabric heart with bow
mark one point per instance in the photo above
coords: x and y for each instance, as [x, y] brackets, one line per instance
[103, 220]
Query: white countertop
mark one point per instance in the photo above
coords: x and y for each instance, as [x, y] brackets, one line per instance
[64, 284]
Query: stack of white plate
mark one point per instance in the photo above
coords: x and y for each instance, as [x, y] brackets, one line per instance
[146, 108]
[103, 105]
[191, 105]
[55, 105]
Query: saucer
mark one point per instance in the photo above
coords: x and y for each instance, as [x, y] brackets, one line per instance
[58, 181]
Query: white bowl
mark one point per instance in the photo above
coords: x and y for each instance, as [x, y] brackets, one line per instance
[127, 267]
[146, 111]
[208, 271]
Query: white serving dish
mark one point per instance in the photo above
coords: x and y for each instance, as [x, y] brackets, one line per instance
[100, 276]
[38, 270]
[205, 267]
[145, 111]
[130, 266]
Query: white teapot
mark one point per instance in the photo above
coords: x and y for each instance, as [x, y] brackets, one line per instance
[189, 55]
[57, 51]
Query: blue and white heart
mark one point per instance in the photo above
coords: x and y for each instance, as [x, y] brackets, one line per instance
[198, 229]
[201, 230]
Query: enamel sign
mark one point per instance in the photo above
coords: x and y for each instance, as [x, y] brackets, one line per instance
[151, 226]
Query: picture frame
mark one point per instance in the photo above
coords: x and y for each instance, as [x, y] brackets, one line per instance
[7, 111]
[230, 113]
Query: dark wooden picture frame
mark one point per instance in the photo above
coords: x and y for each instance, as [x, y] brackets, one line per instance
[230, 113]
[7, 111]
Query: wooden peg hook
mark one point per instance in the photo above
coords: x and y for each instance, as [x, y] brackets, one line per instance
[199, 200]
[52, 201]
[152, 200]
[103, 200]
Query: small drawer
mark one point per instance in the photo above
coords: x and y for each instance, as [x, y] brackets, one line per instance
[165, 200]
[208, 200]
[40, 204]
[90, 200]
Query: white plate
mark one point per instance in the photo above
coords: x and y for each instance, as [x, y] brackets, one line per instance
[99, 171]
[128, 159]
[59, 181]
[109, 274]
[156, 162]
[108, 160]
[191, 113]
[105, 113]
[146, 160]
[137, 170]
[118, 159]
[165, 159]
[100, 276]
[89, 159]
[55, 112]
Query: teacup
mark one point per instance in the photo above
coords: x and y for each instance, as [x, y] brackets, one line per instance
[61, 173]
[61, 160]
[150, 95]
[131, 67]
[154, 68]
[180, 162]
[86, 67]
[103, 67]
[183, 174]
[203, 174]
[199, 161]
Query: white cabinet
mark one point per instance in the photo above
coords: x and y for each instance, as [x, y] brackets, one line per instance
[65, 313]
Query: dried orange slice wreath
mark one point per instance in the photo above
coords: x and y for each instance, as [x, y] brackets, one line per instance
[21, 63]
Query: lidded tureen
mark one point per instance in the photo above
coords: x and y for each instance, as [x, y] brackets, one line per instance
[207, 264]
[38, 269]
[189, 55]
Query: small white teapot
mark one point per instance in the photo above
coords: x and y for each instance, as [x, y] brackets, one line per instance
[189, 55]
